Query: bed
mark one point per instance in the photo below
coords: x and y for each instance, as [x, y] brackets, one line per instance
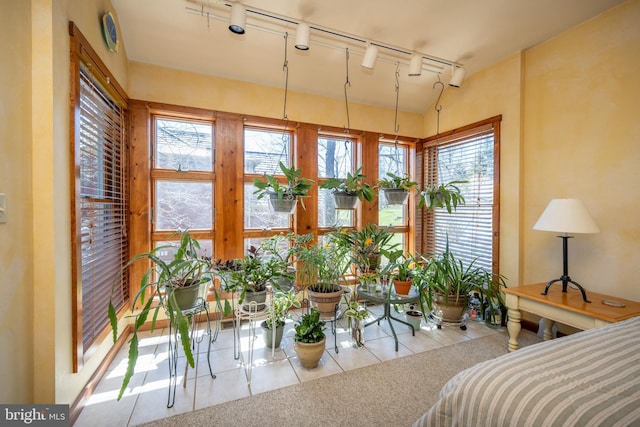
[591, 378]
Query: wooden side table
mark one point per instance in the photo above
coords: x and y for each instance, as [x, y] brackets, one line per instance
[564, 307]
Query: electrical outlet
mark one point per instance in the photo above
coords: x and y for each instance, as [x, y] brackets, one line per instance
[3, 208]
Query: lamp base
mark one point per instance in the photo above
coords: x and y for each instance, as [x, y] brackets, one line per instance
[565, 281]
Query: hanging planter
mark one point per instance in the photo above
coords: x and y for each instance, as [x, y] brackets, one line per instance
[286, 204]
[283, 197]
[396, 188]
[347, 191]
[396, 196]
[344, 200]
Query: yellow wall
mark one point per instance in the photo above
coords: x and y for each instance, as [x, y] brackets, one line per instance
[16, 311]
[157, 84]
[581, 139]
[569, 129]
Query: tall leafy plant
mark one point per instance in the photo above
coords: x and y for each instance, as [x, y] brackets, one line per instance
[157, 293]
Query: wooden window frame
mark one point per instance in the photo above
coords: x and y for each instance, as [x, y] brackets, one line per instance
[83, 55]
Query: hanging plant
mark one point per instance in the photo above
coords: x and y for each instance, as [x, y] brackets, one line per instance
[442, 196]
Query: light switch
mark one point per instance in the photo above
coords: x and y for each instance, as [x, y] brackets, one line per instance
[3, 208]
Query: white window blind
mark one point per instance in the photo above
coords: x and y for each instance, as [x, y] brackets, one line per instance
[469, 229]
[102, 206]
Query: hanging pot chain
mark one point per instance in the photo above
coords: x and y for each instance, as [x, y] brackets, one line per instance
[347, 83]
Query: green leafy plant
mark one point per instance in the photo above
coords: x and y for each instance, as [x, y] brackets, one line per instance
[442, 196]
[354, 184]
[365, 245]
[156, 293]
[278, 311]
[455, 279]
[255, 273]
[400, 266]
[309, 328]
[296, 185]
[393, 181]
[321, 267]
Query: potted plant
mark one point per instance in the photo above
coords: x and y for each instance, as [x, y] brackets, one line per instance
[400, 271]
[283, 197]
[321, 268]
[253, 276]
[356, 315]
[365, 245]
[442, 196]
[396, 188]
[309, 341]
[277, 313]
[284, 247]
[447, 282]
[159, 290]
[347, 191]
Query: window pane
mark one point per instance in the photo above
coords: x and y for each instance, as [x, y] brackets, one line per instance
[469, 229]
[264, 150]
[335, 158]
[391, 159]
[328, 215]
[259, 214]
[167, 254]
[391, 214]
[182, 145]
[183, 204]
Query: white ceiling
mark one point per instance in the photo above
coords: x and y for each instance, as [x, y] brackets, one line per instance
[474, 33]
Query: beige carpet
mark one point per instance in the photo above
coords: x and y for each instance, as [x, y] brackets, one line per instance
[393, 393]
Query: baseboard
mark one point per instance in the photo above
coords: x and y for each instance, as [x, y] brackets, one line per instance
[77, 406]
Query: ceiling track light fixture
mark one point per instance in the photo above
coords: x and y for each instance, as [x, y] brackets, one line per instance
[457, 75]
[415, 64]
[238, 19]
[416, 61]
[370, 56]
[302, 36]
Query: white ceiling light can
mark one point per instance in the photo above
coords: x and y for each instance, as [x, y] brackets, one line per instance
[238, 20]
[457, 75]
[370, 57]
[302, 36]
[415, 65]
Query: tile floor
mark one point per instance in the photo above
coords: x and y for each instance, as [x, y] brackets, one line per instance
[146, 395]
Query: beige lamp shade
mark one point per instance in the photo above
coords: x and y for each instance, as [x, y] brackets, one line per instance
[566, 216]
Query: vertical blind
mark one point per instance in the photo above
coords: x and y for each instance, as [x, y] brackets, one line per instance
[103, 208]
[469, 229]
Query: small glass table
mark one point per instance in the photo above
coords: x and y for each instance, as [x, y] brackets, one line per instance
[387, 299]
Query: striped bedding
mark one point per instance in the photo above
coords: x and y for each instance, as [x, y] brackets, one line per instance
[591, 378]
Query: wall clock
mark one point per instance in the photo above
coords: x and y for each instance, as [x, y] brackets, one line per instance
[110, 31]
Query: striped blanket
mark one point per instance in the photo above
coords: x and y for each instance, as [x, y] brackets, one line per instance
[591, 378]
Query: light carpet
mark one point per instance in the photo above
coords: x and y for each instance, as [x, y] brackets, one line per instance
[392, 393]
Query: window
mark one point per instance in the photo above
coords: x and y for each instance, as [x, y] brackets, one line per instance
[182, 180]
[99, 205]
[264, 149]
[335, 160]
[468, 155]
[393, 158]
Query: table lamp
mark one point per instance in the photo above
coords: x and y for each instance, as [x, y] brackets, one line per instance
[566, 216]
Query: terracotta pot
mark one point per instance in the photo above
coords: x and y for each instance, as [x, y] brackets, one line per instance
[451, 311]
[325, 302]
[309, 354]
[402, 286]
